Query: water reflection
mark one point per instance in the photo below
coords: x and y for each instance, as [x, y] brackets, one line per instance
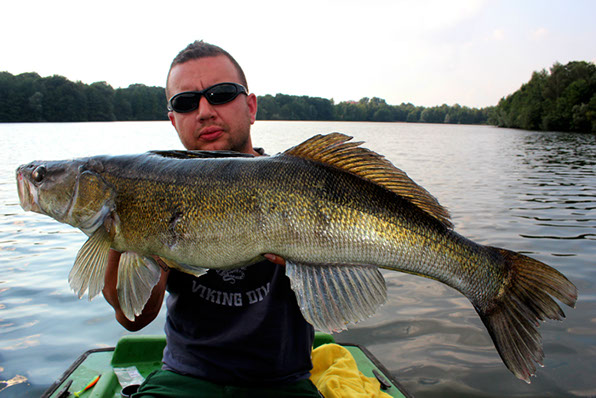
[18, 379]
[560, 148]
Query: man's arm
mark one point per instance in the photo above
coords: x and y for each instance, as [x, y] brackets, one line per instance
[110, 293]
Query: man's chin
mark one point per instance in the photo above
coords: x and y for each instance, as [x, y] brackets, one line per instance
[218, 145]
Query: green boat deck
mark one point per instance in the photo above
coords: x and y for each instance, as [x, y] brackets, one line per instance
[145, 353]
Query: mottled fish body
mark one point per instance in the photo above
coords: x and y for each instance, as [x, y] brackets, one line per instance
[335, 211]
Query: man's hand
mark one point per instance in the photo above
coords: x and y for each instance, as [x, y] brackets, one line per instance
[275, 259]
[153, 305]
[161, 263]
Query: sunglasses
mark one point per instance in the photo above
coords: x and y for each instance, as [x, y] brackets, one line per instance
[217, 94]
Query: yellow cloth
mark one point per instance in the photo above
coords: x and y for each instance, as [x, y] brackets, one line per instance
[336, 375]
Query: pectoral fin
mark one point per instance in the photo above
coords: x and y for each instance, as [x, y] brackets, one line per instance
[137, 275]
[89, 268]
[330, 297]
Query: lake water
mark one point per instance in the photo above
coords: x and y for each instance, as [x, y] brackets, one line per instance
[527, 191]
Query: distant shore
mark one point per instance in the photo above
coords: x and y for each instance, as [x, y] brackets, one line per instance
[562, 100]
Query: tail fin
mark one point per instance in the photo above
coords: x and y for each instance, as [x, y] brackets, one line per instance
[513, 317]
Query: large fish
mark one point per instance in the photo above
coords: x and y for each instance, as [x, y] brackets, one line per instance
[335, 211]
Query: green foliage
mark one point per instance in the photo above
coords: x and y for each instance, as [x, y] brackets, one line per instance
[20, 97]
[30, 98]
[100, 101]
[286, 107]
[290, 107]
[562, 100]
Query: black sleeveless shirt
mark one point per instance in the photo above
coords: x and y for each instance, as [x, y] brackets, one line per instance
[238, 327]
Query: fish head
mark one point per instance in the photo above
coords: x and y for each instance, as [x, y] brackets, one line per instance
[71, 191]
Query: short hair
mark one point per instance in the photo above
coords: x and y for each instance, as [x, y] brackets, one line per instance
[199, 49]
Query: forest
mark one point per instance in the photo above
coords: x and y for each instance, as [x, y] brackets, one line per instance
[291, 107]
[29, 97]
[562, 99]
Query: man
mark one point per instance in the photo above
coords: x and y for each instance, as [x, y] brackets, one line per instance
[229, 333]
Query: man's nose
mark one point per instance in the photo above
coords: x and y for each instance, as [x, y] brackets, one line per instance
[205, 110]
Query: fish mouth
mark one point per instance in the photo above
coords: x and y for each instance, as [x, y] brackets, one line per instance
[27, 193]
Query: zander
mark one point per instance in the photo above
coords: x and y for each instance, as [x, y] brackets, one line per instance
[335, 211]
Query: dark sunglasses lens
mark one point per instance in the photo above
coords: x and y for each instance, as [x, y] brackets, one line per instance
[216, 95]
[222, 93]
[185, 102]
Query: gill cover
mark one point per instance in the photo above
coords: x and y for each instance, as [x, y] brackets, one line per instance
[92, 201]
[91, 208]
[93, 211]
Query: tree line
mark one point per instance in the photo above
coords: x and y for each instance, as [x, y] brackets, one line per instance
[291, 107]
[29, 97]
[562, 100]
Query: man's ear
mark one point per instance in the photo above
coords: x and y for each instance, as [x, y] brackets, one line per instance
[251, 101]
[172, 118]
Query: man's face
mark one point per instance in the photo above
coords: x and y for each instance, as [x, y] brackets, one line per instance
[212, 127]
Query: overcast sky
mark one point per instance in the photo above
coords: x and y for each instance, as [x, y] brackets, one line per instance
[471, 52]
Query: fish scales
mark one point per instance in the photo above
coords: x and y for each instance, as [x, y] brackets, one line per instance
[335, 211]
[175, 211]
[371, 227]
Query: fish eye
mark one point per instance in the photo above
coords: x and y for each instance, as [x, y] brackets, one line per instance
[39, 173]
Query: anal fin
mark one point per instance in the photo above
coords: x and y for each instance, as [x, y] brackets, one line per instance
[332, 296]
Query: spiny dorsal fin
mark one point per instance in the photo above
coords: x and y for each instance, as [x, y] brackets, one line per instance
[335, 150]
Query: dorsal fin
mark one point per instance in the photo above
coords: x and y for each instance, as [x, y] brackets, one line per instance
[335, 150]
[178, 154]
